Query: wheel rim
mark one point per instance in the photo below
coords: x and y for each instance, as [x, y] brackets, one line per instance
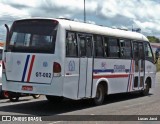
[98, 95]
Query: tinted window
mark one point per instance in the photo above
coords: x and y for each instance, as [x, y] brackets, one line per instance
[148, 52]
[106, 47]
[99, 51]
[125, 48]
[85, 45]
[114, 48]
[33, 36]
[71, 45]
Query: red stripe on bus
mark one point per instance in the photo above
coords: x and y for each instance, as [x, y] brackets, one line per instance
[111, 76]
[30, 68]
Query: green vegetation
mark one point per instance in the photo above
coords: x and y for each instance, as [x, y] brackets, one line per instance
[153, 39]
[158, 65]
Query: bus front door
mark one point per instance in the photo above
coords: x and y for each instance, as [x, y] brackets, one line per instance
[139, 65]
[85, 65]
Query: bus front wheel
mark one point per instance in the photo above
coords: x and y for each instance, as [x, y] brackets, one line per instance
[100, 94]
[145, 92]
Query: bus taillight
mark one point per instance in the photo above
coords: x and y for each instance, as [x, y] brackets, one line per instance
[56, 69]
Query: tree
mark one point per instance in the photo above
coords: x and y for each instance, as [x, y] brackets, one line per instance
[153, 39]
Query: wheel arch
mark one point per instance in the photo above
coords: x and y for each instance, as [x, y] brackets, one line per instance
[102, 81]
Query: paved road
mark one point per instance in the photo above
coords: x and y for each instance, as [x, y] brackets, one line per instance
[121, 104]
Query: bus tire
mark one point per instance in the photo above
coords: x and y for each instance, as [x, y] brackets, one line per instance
[100, 94]
[145, 91]
[54, 99]
[14, 99]
[36, 96]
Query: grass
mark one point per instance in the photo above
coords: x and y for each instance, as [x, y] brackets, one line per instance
[158, 65]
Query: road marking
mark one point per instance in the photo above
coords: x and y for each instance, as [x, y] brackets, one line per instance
[55, 122]
[128, 106]
[142, 103]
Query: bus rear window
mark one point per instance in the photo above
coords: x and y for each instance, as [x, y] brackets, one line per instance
[33, 36]
[1, 52]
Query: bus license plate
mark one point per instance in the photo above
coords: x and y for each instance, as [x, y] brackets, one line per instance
[27, 88]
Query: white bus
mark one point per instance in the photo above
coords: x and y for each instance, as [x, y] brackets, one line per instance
[62, 58]
[1, 51]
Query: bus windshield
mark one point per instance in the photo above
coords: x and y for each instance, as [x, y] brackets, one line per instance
[35, 36]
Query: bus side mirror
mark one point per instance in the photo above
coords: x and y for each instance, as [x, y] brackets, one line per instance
[156, 56]
[7, 35]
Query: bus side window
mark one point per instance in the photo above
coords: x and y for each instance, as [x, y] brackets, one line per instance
[71, 45]
[125, 51]
[99, 51]
[114, 48]
[148, 52]
[106, 46]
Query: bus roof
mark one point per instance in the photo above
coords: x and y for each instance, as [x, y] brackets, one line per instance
[96, 29]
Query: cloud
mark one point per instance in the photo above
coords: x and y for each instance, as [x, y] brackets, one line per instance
[119, 13]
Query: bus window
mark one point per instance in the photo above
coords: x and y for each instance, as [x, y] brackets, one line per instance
[114, 48]
[82, 44]
[99, 52]
[136, 56]
[106, 46]
[1, 51]
[125, 48]
[33, 36]
[148, 52]
[141, 56]
[89, 46]
[71, 45]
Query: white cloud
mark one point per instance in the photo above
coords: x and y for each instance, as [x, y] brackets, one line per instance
[119, 13]
[7, 10]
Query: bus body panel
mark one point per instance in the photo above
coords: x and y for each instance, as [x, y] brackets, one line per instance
[117, 72]
[29, 68]
[71, 79]
[150, 71]
[79, 76]
[55, 88]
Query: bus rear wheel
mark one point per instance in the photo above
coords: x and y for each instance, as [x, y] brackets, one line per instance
[54, 99]
[14, 99]
[100, 94]
[145, 92]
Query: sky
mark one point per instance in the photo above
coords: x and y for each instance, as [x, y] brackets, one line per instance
[125, 14]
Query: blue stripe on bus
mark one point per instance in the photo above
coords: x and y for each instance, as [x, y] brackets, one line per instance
[25, 67]
[107, 70]
[101, 70]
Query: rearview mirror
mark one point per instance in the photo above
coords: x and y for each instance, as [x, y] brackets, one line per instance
[156, 56]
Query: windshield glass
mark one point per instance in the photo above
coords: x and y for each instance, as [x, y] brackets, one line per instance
[33, 36]
[1, 51]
